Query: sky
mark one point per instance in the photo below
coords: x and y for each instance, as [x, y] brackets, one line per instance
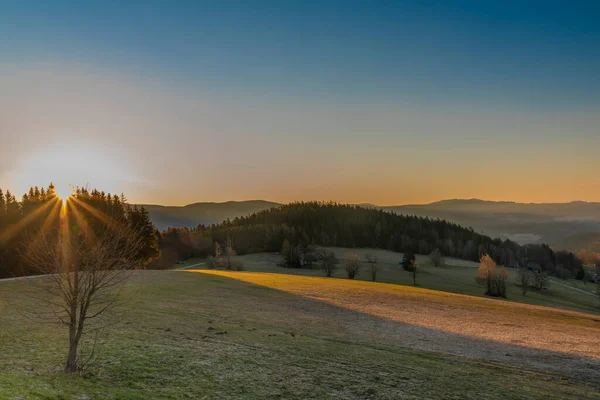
[385, 102]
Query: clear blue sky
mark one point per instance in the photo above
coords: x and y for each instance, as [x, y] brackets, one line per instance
[464, 69]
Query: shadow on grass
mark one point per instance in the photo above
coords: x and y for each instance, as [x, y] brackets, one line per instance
[319, 316]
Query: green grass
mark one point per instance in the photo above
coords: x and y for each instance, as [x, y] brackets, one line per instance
[195, 335]
[457, 276]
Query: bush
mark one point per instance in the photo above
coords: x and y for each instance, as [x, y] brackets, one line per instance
[409, 263]
[524, 280]
[436, 258]
[329, 263]
[352, 265]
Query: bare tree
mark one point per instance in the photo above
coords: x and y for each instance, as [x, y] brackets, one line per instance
[86, 272]
[409, 263]
[229, 253]
[524, 279]
[329, 262]
[218, 253]
[436, 258]
[352, 265]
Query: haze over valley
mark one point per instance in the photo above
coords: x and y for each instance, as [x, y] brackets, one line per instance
[572, 226]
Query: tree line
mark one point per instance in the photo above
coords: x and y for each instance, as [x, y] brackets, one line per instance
[297, 225]
[39, 210]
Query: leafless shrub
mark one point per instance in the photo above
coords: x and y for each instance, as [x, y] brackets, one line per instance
[329, 263]
[436, 258]
[352, 265]
[524, 277]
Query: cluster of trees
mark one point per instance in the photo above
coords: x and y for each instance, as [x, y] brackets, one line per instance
[352, 265]
[492, 277]
[562, 264]
[225, 258]
[532, 278]
[39, 210]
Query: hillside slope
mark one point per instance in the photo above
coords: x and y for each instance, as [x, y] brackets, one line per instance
[268, 336]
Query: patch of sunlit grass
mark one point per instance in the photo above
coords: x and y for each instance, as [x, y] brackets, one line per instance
[482, 318]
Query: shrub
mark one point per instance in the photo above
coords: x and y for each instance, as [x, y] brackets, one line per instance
[524, 280]
[436, 258]
[352, 265]
[409, 263]
[329, 263]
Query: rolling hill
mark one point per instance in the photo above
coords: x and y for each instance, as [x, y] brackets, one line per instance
[562, 225]
[248, 335]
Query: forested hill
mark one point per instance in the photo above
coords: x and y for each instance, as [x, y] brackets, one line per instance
[331, 224]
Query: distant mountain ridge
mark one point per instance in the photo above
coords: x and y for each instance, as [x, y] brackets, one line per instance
[563, 225]
[203, 213]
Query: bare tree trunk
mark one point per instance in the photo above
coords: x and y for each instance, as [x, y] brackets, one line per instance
[71, 365]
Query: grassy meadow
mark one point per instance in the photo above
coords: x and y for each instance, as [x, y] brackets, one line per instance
[242, 335]
[457, 276]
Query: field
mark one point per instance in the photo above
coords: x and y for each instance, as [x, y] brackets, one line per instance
[214, 334]
[458, 276]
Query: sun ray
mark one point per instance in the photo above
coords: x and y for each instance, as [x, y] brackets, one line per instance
[80, 219]
[102, 217]
[23, 223]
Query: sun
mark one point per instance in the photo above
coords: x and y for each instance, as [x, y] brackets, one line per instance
[63, 191]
